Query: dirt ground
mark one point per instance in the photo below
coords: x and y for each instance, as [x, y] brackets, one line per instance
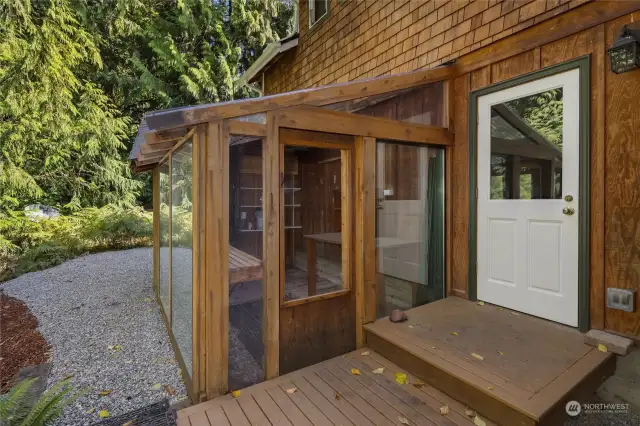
[21, 344]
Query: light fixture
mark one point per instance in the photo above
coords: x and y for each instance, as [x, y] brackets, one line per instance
[625, 51]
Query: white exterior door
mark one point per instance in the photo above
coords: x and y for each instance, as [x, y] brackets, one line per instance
[528, 186]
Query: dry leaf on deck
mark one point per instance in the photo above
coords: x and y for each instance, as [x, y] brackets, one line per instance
[403, 420]
[365, 353]
[291, 391]
[602, 348]
[478, 421]
[480, 302]
[476, 356]
[401, 378]
[235, 393]
[355, 371]
[410, 326]
[444, 410]
[433, 347]
[469, 412]
[514, 313]
[454, 333]
[157, 386]
[338, 396]
[500, 309]
[378, 370]
[418, 384]
[490, 387]
[501, 353]
[104, 414]
[105, 392]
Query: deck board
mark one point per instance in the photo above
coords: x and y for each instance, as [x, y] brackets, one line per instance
[327, 394]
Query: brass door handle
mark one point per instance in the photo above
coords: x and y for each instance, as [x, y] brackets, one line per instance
[568, 211]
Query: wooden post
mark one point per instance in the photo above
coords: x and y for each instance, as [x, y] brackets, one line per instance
[271, 191]
[217, 259]
[156, 231]
[311, 267]
[447, 120]
[365, 207]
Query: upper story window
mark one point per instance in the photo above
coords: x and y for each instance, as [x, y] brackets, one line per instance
[318, 9]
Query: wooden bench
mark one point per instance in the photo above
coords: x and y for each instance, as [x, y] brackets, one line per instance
[243, 267]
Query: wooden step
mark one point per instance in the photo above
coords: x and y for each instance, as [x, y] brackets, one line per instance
[511, 368]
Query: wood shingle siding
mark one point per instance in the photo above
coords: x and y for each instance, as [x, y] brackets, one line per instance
[366, 38]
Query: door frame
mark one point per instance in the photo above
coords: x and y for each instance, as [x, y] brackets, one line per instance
[583, 65]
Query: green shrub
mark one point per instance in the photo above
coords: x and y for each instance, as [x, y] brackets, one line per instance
[18, 407]
[28, 245]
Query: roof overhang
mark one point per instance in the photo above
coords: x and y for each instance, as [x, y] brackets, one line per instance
[271, 53]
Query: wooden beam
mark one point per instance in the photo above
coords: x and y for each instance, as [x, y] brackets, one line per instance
[309, 138]
[217, 259]
[149, 149]
[563, 25]
[169, 135]
[315, 96]
[271, 248]
[157, 156]
[247, 128]
[323, 120]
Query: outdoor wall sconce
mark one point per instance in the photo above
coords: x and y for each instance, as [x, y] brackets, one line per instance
[625, 51]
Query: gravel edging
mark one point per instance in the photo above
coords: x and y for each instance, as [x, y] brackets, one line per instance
[90, 303]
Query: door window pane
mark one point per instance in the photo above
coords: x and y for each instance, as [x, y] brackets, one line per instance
[181, 250]
[409, 226]
[312, 190]
[526, 147]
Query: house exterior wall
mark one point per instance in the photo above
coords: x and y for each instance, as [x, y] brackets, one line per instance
[368, 38]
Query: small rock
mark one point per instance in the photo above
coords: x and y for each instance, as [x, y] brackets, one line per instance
[398, 316]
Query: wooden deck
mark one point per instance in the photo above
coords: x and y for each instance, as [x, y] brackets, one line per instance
[513, 368]
[329, 394]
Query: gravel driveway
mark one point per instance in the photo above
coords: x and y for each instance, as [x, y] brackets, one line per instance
[88, 304]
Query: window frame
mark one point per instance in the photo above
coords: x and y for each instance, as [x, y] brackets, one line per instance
[321, 18]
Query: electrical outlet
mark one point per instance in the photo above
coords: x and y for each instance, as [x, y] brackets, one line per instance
[621, 298]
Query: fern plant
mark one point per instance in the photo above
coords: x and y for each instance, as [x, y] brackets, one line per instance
[17, 408]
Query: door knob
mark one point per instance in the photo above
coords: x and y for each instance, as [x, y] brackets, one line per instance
[568, 198]
[568, 211]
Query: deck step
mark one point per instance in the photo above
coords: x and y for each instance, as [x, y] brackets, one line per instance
[512, 369]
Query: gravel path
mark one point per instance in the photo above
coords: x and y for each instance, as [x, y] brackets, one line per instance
[90, 303]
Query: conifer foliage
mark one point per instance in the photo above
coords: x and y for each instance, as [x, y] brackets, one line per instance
[77, 75]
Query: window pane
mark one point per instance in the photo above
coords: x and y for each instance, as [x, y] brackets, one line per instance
[165, 194]
[312, 221]
[409, 226]
[181, 250]
[246, 351]
[320, 8]
[526, 147]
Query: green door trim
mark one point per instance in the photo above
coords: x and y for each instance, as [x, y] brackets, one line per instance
[583, 65]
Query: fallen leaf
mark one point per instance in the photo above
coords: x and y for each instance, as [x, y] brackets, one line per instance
[418, 384]
[70, 376]
[469, 412]
[114, 348]
[169, 390]
[501, 353]
[146, 299]
[401, 378]
[291, 391]
[478, 421]
[490, 387]
[235, 393]
[365, 353]
[104, 414]
[410, 326]
[337, 396]
[150, 310]
[500, 309]
[180, 372]
[157, 386]
[378, 370]
[91, 410]
[444, 410]
[602, 348]
[355, 371]
[403, 420]
[480, 302]
[105, 392]
[454, 333]
[476, 356]
[514, 313]
[129, 423]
